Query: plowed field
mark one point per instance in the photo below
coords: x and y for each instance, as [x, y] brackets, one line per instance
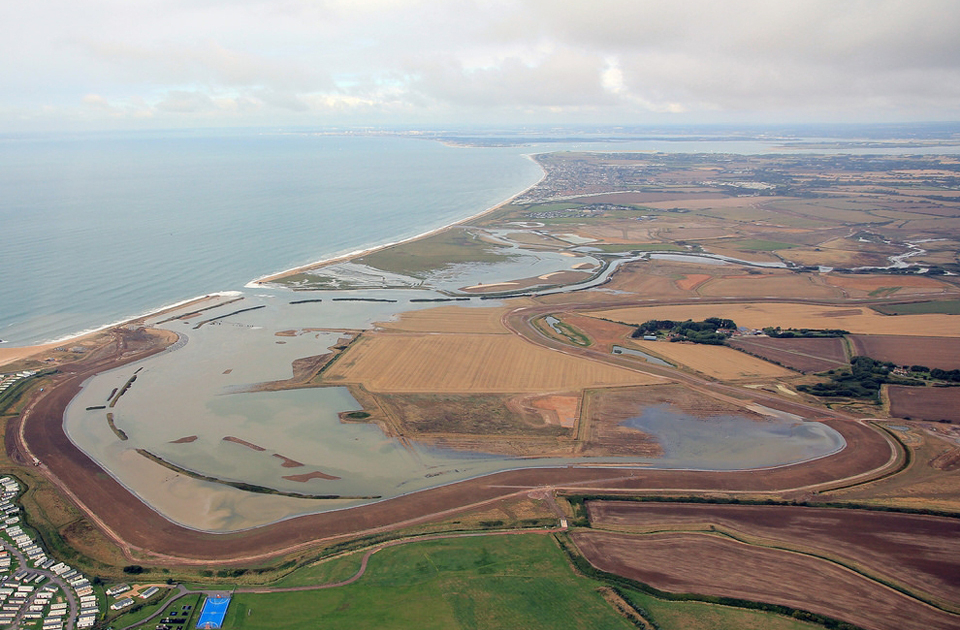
[933, 352]
[806, 355]
[469, 363]
[700, 563]
[920, 552]
[860, 320]
[925, 403]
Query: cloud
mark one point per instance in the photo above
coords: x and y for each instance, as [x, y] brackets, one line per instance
[308, 61]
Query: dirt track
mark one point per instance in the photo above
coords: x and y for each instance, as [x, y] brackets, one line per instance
[137, 528]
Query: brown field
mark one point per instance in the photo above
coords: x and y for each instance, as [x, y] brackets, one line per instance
[616, 404]
[395, 362]
[716, 361]
[791, 285]
[561, 409]
[933, 352]
[691, 281]
[450, 319]
[702, 563]
[864, 282]
[741, 254]
[805, 355]
[860, 320]
[919, 552]
[603, 334]
[829, 257]
[926, 483]
[469, 414]
[925, 403]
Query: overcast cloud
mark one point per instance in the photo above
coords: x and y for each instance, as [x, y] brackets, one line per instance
[182, 63]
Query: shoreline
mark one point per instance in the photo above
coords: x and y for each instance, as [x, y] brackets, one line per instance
[263, 280]
[17, 353]
[12, 354]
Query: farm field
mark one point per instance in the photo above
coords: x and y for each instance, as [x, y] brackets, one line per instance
[753, 286]
[716, 361]
[393, 362]
[676, 563]
[861, 320]
[921, 553]
[933, 352]
[803, 354]
[932, 480]
[925, 403]
[702, 616]
[483, 582]
[450, 319]
[862, 285]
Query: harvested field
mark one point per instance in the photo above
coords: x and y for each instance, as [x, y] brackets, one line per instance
[749, 255]
[918, 552]
[829, 257]
[925, 403]
[701, 563]
[657, 279]
[692, 281]
[815, 354]
[933, 352]
[716, 361]
[450, 319]
[860, 320]
[792, 285]
[860, 285]
[424, 363]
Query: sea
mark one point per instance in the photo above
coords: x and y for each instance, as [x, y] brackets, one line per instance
[97, 229]
[100, 228]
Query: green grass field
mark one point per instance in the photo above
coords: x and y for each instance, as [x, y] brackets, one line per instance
[489, 582]
[757, 245]
[702, 616]
[420, 257]
[612, 248]
[948, 307]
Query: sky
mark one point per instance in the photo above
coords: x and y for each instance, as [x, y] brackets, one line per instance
[118, 64]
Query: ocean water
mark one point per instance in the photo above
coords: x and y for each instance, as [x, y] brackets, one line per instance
[95, 229]
[98, 228]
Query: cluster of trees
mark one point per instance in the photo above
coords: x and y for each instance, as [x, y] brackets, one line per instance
[712, 331]
[936, 373]
[804, 332]
[864, 379]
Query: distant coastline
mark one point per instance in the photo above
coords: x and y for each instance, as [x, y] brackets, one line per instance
[258, 282]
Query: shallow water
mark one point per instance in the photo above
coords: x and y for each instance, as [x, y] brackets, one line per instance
[196, 390]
